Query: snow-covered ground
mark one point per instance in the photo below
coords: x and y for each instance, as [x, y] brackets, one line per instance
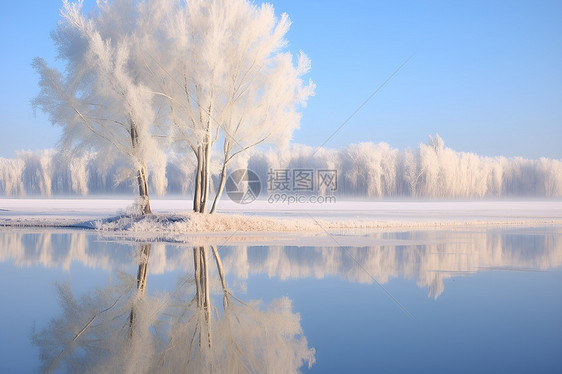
[261, 216]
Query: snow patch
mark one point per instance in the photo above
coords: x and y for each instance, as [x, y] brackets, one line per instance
[172, 222]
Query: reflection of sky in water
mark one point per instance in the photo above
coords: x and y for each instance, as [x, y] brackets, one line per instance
[495, 300]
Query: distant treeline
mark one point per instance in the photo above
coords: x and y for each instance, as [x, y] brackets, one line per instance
[363, 170]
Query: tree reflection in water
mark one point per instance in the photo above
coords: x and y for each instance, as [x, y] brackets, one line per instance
[122, 329]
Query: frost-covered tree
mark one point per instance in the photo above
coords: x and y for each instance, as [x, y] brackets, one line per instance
[410, 171]
[99, 100]
[209, 69]
[11, 176]
[223, 68]
[38, 170]
[265, 89]
[371, 168]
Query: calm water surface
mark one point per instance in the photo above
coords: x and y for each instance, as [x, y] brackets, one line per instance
[464, 301]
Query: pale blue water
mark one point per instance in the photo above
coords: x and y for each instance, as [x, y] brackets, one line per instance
[466, 301]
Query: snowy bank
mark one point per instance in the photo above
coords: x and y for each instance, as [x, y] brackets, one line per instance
[172, 222]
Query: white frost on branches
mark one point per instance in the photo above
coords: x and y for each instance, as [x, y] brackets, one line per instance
[145, 77]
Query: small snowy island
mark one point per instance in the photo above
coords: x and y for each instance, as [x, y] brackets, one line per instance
[261, 220]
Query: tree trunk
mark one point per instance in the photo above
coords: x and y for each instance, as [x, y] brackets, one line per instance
[222, 182]
[206, 175]
[204, 163]
[204, 172]
[202, 178]
[142, 179]
[198, 181]
[142, 175]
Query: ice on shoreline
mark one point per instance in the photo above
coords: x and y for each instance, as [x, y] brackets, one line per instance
[172, 219]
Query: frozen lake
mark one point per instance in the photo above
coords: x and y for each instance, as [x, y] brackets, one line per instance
[457, 299]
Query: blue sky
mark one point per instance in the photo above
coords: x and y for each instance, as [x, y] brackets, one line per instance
[485, 75]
